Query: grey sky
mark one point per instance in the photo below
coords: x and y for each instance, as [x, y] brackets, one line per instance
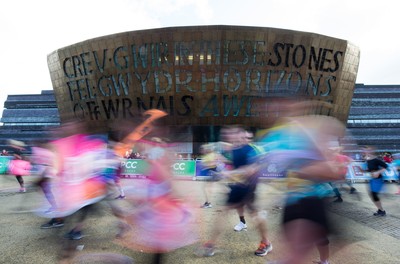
[33, 29]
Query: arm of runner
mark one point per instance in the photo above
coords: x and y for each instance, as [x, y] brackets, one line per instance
[238, 175]
[320, 171]
[376, 174]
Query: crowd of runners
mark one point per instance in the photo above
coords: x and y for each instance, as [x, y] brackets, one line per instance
[304, 148]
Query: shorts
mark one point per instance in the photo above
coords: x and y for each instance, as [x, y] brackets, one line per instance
[309, 208]
[241, 194]
[376, 185]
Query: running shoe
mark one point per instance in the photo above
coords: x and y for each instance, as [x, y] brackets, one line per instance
[239, 227]
[206, 205]
[73, 235]
[22, 190]
[321, 262]
[380, 213]
[263, 249]
[338, 200]
[52, 224]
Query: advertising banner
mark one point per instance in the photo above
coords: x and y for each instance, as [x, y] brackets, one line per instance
[184, 168]
[357, 171]
[391, 173]
[4, 161]
[134, 167]
[271, 172]
[139, 167]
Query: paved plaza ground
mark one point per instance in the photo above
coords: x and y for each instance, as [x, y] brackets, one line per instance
[365, 239]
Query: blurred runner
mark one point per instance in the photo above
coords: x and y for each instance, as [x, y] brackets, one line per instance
[299, 145]
[212, 163]
[243, 182]
[342, 162]
[159, 221]
[79, 162]
[376, 167]
[43, 159]
[17, 148]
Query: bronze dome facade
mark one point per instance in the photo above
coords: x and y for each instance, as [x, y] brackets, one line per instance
[201, 75]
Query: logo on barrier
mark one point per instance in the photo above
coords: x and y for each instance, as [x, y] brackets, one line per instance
[184, 168]
[390, 173]
[130, 164]
[179, 166]
[134, 167]
[358, 171]
[140, 167]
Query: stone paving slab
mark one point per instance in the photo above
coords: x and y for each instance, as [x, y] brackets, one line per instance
[370, 239]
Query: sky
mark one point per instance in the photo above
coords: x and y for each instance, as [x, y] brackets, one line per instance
[33, 29]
